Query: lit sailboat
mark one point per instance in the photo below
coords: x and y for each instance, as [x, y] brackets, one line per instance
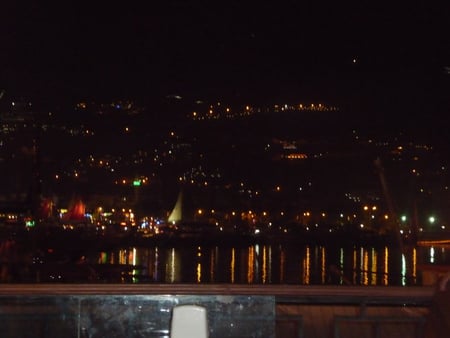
[177, 212]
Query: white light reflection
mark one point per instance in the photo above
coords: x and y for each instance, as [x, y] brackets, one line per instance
[403, 270]
[134, 272]
[256, 262]
[170, 267]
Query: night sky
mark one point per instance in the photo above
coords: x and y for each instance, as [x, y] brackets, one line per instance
[366, 54]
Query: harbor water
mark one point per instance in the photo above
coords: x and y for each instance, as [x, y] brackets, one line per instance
[274, 264]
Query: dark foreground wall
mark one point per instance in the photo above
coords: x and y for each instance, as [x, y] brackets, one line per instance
[144, 310]
[131, 315]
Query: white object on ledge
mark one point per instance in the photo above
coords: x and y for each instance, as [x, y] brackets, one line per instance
[189, 321]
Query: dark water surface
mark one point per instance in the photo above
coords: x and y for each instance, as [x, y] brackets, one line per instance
[74, 260]
[275, 264]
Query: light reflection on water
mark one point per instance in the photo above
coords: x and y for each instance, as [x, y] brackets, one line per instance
[275, 264]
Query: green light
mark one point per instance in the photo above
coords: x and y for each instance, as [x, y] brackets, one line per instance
[30, 223]
[136, 183]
